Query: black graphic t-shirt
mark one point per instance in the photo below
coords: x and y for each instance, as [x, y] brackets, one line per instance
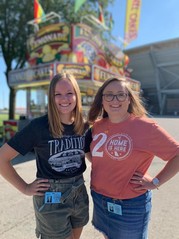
[55, 157]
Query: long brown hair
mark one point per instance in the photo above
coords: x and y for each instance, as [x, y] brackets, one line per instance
[135, 107]
[55, 125]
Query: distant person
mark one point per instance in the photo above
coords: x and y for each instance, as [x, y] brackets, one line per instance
[58, 141]
[121, 145]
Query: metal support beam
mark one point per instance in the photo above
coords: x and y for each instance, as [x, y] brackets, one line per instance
[175, 63]
[163, 103]
[170, 92]
[157, 77]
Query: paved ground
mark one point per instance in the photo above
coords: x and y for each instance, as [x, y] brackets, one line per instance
[17, 217]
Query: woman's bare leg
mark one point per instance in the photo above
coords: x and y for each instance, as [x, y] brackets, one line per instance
[76, 233]
[70, 237]
[105, 237]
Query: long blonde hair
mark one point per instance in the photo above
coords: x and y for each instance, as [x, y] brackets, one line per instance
[135, 107]
[55, 125]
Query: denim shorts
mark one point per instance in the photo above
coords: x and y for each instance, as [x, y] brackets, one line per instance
[122, 219]
[56, 220]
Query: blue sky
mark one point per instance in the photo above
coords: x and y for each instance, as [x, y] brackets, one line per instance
[159, 21]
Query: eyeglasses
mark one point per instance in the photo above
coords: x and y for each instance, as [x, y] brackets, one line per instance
[120, 97]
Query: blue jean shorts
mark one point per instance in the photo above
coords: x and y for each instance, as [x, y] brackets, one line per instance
[56, 220]
[122, 219]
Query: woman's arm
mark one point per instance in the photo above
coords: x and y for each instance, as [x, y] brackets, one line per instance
[8, 172]
[169, 171]
[88, 140]
[88, 156]
[145, 181]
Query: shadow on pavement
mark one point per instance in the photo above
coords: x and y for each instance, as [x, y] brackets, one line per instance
[21, 159]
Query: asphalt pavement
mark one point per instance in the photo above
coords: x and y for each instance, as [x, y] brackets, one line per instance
[17, 215]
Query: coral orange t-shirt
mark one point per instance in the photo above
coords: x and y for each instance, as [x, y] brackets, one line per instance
[120, 149]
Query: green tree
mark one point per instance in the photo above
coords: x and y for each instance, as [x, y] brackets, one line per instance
[14, 30]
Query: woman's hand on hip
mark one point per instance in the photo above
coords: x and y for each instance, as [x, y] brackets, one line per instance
[38, 187]
[142, 181]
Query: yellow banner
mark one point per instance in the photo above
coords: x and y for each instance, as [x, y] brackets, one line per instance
[132, 20]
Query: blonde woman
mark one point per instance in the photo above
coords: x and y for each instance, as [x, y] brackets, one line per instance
[59, 194]
[121, 145]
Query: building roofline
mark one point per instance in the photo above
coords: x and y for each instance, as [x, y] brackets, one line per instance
[171, 43]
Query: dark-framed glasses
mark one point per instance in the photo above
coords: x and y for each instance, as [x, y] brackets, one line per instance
[120, 97]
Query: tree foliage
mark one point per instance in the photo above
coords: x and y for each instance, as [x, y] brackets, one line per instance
[14, 30]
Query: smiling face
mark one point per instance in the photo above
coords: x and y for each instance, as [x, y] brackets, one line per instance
[114, 107]
[65, 99]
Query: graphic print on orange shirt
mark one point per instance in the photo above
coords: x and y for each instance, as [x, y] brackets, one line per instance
[119, 146]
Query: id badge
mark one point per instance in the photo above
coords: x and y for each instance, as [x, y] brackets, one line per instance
[52, 197]
[114, 208]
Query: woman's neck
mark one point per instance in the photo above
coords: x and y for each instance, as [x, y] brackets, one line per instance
[66, 119]
[118, 119]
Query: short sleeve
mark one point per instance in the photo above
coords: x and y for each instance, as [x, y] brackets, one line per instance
[88, 139]
[25, 140]
[162, 144]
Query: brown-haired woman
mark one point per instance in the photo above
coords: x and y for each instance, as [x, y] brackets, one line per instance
[121, 145]
[59, 194]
